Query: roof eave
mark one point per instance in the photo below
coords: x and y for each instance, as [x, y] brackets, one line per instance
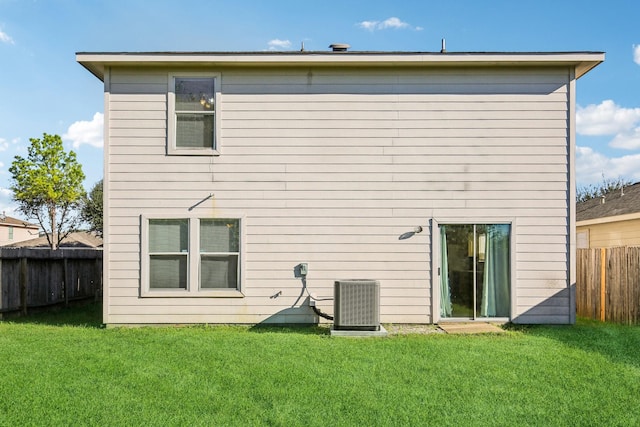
[96, 62]
[608, 219]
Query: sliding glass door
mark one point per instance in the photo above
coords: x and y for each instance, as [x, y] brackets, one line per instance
[475, 271]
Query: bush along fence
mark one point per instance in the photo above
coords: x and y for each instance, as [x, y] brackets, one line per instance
[608, 284]
[31, 278]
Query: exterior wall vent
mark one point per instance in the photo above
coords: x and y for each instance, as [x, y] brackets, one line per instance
[339, 47]
[356, 305]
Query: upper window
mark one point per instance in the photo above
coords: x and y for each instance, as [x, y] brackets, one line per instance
[192, 114]
[191, 256]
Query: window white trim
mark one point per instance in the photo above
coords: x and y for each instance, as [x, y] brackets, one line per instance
[436, 223]
[172, 149]
[193, 289]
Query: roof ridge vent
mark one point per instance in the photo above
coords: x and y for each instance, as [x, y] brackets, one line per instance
[339, 47]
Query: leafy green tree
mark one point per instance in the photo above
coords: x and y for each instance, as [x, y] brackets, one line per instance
[47, 185]
[91, 210]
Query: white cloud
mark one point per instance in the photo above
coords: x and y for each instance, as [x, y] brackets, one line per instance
[276, 44]
[393, 23]
[7, 205]
[6, 38]
[627, 140]
[607, 118]
[591, 166]
[6, 195]
[4, 144]
[636, 53]
[368, 25]
[84, 132]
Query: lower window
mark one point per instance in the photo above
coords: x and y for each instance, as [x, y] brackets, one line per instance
[219, 253]
[191, 256]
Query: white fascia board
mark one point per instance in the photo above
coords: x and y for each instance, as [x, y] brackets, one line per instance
[96, 62]
[608, 219]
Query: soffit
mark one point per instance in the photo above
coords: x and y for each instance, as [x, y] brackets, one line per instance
[96, 62]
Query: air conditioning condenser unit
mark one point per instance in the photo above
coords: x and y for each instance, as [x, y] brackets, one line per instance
[356, 305]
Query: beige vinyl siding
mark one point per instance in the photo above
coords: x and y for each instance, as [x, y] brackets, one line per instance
[329, 167]
[612, 234]
[18, 234]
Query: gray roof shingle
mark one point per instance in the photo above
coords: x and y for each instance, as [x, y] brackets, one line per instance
[78, 239]
[619, 202]
[10, 221]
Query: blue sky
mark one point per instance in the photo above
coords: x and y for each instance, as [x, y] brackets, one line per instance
[43, 89]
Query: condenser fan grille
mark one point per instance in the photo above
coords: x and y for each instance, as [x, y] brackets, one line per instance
[357, 305]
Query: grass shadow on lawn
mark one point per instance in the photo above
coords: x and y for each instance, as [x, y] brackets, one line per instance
[618, 343]
[87, 314]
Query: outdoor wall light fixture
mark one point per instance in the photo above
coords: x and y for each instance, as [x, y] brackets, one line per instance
[409, 234]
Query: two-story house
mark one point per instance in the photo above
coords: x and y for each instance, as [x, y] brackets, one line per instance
[447, 177]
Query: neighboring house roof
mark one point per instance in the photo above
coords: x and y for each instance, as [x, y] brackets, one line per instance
[624, 204]
[78, 240]
[15, 222]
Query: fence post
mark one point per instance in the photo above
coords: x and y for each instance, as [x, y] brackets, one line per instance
[97, 281]
[65, 281]
[603, 282]
[23, 285]
[2, 285]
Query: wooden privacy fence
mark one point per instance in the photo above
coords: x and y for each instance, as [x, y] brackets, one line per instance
[32, 278]
[608, 284]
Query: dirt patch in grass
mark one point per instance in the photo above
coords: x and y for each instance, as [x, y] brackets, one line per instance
[471, 328]
[405, 329]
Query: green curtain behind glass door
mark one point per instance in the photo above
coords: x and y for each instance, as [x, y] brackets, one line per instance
[495, 281]
[445, 292]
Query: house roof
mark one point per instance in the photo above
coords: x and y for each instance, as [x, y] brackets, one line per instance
[97, 62]
[15, 222]
[622, 204]
[78, 240]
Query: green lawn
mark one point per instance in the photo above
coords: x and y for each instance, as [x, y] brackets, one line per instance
[64, 369]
